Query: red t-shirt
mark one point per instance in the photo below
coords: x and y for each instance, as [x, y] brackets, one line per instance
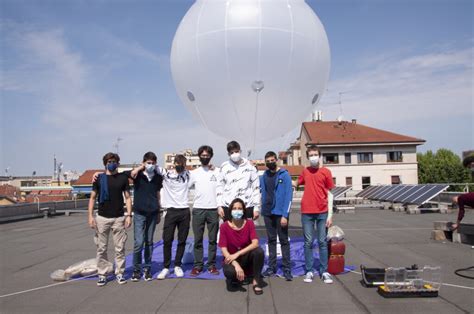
[317, 182]
[235, 240]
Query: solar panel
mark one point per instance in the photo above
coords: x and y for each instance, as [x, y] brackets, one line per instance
[365, 191]
[430, 194]
[418, 191]
[393, 190]
[400, 192]
[373, 191]
[339, 191]
[383, 189]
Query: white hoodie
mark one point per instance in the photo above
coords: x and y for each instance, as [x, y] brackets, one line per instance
[238, 181]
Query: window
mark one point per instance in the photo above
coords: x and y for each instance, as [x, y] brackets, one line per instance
[365, 182]
[394, 156]
[331, 158]
[396, 180]
[347, 157]
[364, 158]
[348, 181]
[334, 181]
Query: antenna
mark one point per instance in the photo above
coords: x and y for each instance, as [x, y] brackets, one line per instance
[341, 116]
[117, 144]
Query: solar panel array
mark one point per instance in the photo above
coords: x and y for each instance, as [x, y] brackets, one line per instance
[416, 194]
[340, 191]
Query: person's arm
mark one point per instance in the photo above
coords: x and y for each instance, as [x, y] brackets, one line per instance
[96, 176]
[136, 170]
[330, 209]
[255, 198]
[288, 190]
[299, 182]
[128, 205]
[238, 269]
[219, 192]
[90, 210]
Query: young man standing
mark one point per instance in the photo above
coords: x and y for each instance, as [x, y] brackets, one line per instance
[147, 184]
[175, 202]
[110, 187]
[204, 179]
[238, 178]
[277, 194]
[316, 209]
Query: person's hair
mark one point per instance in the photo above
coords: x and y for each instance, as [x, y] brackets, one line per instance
[149, 156]
[180, 159]
[270, 154]
[109, 156]
[206, 148]
[232, 145]
[237, 200]
[312, 148]
[468, 160]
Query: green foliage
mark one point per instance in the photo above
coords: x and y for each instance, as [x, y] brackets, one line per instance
[444, 166]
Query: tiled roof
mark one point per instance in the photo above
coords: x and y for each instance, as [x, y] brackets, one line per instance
[334, 132]
[86, 177]
[292, 170]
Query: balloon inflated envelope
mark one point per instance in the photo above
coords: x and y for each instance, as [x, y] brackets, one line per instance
[250, 70]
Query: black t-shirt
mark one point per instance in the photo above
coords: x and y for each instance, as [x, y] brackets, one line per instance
[145, 192]
[117, 184]
[270, 181]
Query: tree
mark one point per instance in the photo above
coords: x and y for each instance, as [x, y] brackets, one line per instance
[442, 167]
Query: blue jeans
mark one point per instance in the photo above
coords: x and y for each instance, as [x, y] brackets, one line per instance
[144, 224]
[308, 221]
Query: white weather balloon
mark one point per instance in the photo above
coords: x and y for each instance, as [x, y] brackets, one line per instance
[250, 70]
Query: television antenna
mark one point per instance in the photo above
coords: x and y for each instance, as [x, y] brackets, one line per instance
[117, 144]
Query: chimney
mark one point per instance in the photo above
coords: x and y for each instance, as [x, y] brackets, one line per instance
[317, 116]
[354, 121]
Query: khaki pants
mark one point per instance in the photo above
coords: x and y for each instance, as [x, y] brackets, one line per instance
[104, 226]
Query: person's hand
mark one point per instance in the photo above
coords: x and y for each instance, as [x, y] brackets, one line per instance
[128, 221]
[143, 166]
[329, 222]
[256, 214]
[232, 257]
[92, 222]
[220, 212]
[284, 222]
[96, 176]
[240, 272]
[211, 167]
[454, 226]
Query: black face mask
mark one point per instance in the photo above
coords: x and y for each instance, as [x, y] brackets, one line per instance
[205, 161]
[271, 165]
[179, 168]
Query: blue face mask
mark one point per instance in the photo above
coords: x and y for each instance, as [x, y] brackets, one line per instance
[237, 214]
[112, 166]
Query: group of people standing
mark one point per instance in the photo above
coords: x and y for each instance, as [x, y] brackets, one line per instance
[233, 193]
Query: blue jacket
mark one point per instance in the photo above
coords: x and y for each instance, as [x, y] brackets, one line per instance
[283, 194]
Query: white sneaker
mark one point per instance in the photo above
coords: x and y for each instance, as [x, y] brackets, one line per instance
[178, 271]
[163, 274]
[327, 278]
[308, 277]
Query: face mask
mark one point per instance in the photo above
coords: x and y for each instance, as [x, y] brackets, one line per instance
[179, 168]
[150, 168]
[271, 165]
[205, 160]
[314, 161]
[235, 157]
[112, 166]
[237, 214]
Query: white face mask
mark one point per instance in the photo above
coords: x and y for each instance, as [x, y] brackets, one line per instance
[235, 157]
[150, 168]
[314, 161]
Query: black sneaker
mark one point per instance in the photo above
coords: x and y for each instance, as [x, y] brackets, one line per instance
[102, 281]
[147, 275]
[120, 279]
[136, 275]
[269, 272]
[287, 275]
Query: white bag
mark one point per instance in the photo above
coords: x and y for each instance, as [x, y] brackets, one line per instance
[335, 233]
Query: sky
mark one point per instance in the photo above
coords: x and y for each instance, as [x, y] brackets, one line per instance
[78, 74]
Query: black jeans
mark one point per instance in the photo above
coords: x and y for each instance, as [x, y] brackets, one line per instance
[253, 259]
[175, 218]
[248, 213]
[201, 217]
[273, 226]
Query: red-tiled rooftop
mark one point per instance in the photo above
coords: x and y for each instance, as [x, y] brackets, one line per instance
[334, 132]
[86, 177]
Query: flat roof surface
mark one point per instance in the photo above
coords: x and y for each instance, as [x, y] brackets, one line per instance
[32, 249]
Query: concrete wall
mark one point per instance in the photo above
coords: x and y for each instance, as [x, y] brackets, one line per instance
[32, 208]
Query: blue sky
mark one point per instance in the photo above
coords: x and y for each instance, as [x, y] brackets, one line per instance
[77, 74]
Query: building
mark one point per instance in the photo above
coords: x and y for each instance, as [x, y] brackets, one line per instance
[192, 159]
[358, 155]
